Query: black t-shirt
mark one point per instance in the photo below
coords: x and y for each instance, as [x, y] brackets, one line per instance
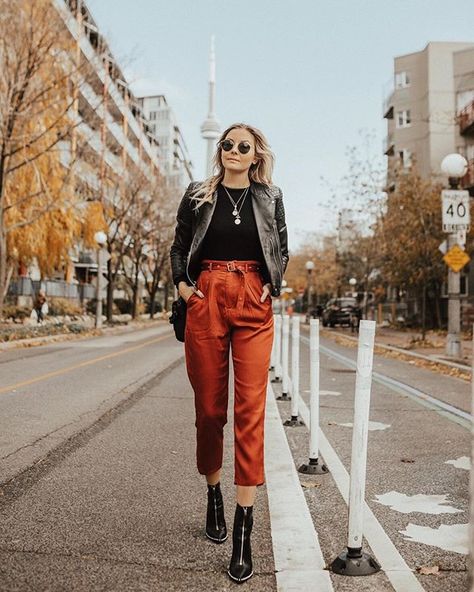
[226, 240]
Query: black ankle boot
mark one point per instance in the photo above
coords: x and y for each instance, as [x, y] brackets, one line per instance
[216, 528]
[240, 568]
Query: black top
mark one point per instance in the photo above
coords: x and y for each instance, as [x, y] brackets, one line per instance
[226, 240]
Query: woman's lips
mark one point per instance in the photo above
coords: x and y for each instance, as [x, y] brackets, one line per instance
[233, 159]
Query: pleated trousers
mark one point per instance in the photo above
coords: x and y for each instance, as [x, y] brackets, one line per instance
[230, 318]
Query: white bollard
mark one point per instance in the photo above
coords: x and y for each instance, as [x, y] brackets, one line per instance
[352, 561]
[277, 348]
[284, 358]
[314, 467]
[295, 372]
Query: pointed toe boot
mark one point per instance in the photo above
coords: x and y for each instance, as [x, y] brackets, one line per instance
[216, 529]
[240, 568]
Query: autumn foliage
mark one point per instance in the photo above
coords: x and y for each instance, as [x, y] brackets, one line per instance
[42, 215]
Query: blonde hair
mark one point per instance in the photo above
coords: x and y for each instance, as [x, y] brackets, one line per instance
[260, 172]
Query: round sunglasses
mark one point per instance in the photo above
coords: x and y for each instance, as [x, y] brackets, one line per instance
[226, 145]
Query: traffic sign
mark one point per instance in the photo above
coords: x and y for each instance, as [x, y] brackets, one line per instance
[456, 258]
[455, 204]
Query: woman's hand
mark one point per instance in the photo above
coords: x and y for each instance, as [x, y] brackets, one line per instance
[186, 291]
[265, 292]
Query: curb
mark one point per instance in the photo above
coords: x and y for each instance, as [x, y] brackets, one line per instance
[432, 359]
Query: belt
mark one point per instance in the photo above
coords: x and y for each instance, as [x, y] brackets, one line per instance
[231, 266]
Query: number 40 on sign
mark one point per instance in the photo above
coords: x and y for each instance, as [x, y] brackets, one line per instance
[455, 206]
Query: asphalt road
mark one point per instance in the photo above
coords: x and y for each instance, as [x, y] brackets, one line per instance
[99, 490]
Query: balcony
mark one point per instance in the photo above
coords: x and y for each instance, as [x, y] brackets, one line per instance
[389, 145]
[466, 119]
[467, 182]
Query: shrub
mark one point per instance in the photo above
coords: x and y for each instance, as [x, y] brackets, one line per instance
[17, 313]
[63, 306]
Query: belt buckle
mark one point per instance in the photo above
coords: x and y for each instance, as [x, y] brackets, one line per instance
[231, 266]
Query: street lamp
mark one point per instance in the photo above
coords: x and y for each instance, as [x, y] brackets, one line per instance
[101, 240]
[455, 219]
[309, 268]
[352, 283]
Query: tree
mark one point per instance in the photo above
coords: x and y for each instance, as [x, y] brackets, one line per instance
[41, 213]
[155, 266]
[408, 233]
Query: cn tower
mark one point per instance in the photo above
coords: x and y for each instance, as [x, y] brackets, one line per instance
[210, 129]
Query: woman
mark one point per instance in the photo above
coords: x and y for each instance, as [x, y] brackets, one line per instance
[228, 259]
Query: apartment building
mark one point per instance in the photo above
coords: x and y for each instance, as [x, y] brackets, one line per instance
[429, 108]
[173, 153]
[429, 91]
[116, 139]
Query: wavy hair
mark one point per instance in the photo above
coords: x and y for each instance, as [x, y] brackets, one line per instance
[260, 172]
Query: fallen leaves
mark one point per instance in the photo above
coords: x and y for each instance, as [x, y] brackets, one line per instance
[310, 484]
[428, 570]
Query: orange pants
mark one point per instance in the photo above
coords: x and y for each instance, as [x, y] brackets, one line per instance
[229, 313]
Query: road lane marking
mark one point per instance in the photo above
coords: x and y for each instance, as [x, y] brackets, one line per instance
[398, 572]
[18, 385]
[462, 462]
[449, 537]
[299, 562]
[420, 502]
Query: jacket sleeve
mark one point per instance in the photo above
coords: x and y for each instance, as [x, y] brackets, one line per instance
[281, 227]
[182, 239]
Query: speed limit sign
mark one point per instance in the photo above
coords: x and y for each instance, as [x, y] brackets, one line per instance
[455, 210]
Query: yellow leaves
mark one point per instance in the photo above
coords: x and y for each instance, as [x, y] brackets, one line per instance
[93, 221]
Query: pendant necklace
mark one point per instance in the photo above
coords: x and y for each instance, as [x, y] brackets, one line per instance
[236, 212]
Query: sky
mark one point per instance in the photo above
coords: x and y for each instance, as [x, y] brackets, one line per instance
[310, 74]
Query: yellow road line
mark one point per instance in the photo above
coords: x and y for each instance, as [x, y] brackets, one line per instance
[81, 365]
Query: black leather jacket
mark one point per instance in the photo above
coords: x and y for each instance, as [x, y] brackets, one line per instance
[191, 227]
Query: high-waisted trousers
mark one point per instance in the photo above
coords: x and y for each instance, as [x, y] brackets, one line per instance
[230, 316]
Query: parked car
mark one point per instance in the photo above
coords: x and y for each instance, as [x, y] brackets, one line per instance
[314, 313]
[340, 311]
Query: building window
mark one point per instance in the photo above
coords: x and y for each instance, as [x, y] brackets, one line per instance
[153, 115]
[405, 158]
[402, 79]
[403, 118]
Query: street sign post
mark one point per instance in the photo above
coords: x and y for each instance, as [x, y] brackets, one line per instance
[455, 205]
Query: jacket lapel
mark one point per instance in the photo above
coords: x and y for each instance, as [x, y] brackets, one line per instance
[204, 219]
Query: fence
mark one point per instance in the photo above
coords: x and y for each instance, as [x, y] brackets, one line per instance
[52, 288]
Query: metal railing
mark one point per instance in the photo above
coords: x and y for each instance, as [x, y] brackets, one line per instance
[53, 288]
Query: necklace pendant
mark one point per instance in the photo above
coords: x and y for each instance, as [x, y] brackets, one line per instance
[235, 212]
[237, 220]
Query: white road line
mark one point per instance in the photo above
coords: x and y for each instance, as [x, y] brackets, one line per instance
[299, 562]
[462, 418]
[400, 575]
